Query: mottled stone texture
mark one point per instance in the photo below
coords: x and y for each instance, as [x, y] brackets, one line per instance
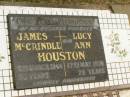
[67, 1]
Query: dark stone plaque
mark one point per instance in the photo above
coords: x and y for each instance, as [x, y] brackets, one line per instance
[55, 50]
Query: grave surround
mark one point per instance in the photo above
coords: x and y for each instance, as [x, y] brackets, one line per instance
[118, 68]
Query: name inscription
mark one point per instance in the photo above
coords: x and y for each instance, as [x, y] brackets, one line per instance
[55, 50]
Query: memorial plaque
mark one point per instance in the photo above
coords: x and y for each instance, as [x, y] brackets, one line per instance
[55, 50]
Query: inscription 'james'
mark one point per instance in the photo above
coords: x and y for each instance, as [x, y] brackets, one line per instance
[48, 54]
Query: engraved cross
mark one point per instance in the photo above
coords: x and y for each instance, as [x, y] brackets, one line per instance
[60, 36]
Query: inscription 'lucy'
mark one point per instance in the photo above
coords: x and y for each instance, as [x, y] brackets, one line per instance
[81, 35]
